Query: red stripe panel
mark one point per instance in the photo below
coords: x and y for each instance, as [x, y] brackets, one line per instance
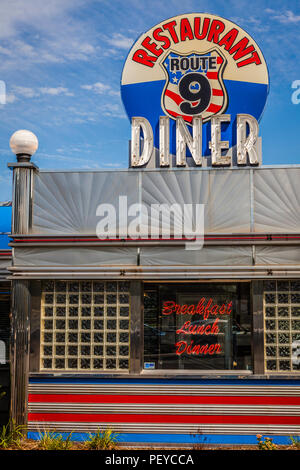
[189, 119]
[217, 92]
[163, 399]
[212, 75]
[140, 418]
[213, 108]
[174, 96]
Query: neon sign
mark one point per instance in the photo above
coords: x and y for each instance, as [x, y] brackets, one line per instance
[205, 308]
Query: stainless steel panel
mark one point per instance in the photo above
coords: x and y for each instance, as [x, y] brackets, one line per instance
[277, 199]
[22, 199]
[81, 256]
[66, 202]
[167, 389]
[19, 355]
[229, 256]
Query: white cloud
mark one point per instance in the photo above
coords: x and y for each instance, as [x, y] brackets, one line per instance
[10, 98]
[97, 87]
[120, 41]
[56, 91]
[34, 14]
[113, 110]
[53, 34]
[28, 92]
[113, 165]
[287, 17]
[100, 88]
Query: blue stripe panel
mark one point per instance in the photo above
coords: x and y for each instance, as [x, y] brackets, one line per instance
[5, 219]
[144, 99]
[177, 438]
[142, 381]
[4, 241]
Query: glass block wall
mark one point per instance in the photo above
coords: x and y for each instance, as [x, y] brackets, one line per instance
[282, 325]
[85, 325]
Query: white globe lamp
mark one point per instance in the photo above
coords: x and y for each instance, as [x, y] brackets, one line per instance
[23, 144]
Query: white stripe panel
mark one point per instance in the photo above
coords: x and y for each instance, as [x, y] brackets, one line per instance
[143, 389]
[137, 408]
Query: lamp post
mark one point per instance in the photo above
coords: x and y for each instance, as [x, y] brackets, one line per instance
[23, 144]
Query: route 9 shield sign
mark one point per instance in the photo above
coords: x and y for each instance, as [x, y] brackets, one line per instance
[194, 65]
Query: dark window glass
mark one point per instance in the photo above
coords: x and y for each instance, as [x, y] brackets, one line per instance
[197, 326]
[48, 311]
[86, 286]
[98, 324]
[61, 299]
[98, 299]
[61, 286]
[74, 287]
[98, 286]
[111, 364]
[98, 350]
[98, 364]
[48, 286]
[61, 311]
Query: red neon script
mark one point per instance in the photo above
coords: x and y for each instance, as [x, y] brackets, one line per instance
[204, 308]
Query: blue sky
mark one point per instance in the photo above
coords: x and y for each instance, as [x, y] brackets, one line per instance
[61, 61]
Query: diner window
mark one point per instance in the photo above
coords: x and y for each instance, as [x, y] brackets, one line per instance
[203, 326]
[282, 325]
[85, 325]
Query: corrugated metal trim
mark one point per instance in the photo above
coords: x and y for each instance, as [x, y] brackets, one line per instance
[143, 389]
[136, 408]
[161, 428]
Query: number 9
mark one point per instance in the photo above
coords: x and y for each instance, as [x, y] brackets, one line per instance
[203, 94]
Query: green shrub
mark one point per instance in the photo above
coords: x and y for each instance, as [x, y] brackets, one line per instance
[11, 435]
[295, 441]
[102, 440]
[53, 441]
[266, 444]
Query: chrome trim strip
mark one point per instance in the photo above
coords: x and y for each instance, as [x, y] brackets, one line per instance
[171, 409]
[152, 269]
[160, 170]
[162, 389]
[62, 236]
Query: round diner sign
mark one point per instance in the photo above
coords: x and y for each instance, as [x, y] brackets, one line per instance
[194, 65]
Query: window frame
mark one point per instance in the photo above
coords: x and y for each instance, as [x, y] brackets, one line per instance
[136, 358]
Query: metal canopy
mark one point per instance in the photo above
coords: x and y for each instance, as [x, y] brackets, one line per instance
[236, 200]
[243, 202]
